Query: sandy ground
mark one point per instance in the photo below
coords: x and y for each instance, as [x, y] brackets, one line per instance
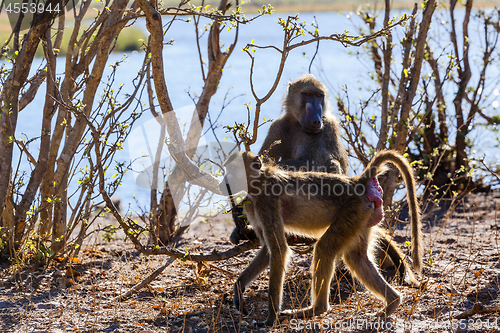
[461, 266]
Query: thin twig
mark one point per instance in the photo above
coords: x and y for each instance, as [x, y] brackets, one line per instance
[144, 282]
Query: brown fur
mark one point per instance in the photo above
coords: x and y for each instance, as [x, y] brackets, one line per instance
[321, 151]
[340, 222]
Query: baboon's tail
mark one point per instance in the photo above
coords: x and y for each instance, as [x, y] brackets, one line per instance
[375, 167]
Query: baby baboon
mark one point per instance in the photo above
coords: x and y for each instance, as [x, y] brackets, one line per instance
[310, 141]
[340, 211]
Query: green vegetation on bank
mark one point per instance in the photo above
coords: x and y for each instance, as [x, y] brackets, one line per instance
[296, 6]
[130, 39]
[290, 5]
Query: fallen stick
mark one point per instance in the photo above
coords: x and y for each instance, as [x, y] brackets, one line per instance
[144, 282]
[477, 308]
[179, 255]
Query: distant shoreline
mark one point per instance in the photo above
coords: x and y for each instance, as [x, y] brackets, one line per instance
[253, 7]
[352, 6]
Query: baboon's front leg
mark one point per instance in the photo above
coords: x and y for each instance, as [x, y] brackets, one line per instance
[278, 250]
[257, 266]
[365, 271]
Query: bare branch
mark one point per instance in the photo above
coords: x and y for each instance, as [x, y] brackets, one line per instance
[402, 128]
[35, 83]
[177, 146]
[387, 52]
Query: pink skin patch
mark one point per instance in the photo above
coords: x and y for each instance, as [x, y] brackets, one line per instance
[374, 195]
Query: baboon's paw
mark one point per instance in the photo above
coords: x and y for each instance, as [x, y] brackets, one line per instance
[239, 304]
[410, 280]
[392, 306]
[307, 312]
[389, 309]
[413, 282]
[241, 308]
[238, 301]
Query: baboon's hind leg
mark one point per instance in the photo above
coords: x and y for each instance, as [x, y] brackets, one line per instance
[391, 249]
[257, 266]
[367, 273]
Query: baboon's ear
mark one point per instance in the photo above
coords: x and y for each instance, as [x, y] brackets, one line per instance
[256, 163]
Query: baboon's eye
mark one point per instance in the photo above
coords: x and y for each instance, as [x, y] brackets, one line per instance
[308, 94]
[319, 95]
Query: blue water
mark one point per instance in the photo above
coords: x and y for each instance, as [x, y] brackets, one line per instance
[333, 65]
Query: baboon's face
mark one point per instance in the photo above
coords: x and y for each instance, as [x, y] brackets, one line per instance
[312, 102]
[306, 102]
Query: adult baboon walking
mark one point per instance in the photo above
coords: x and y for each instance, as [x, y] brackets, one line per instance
[310, 140]
[340, 211]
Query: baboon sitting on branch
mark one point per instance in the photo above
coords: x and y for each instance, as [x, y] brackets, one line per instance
[340, 211]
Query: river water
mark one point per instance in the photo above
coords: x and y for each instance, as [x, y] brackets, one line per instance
[334, 64]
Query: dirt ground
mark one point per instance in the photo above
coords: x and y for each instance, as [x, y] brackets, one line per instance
[461, 266]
